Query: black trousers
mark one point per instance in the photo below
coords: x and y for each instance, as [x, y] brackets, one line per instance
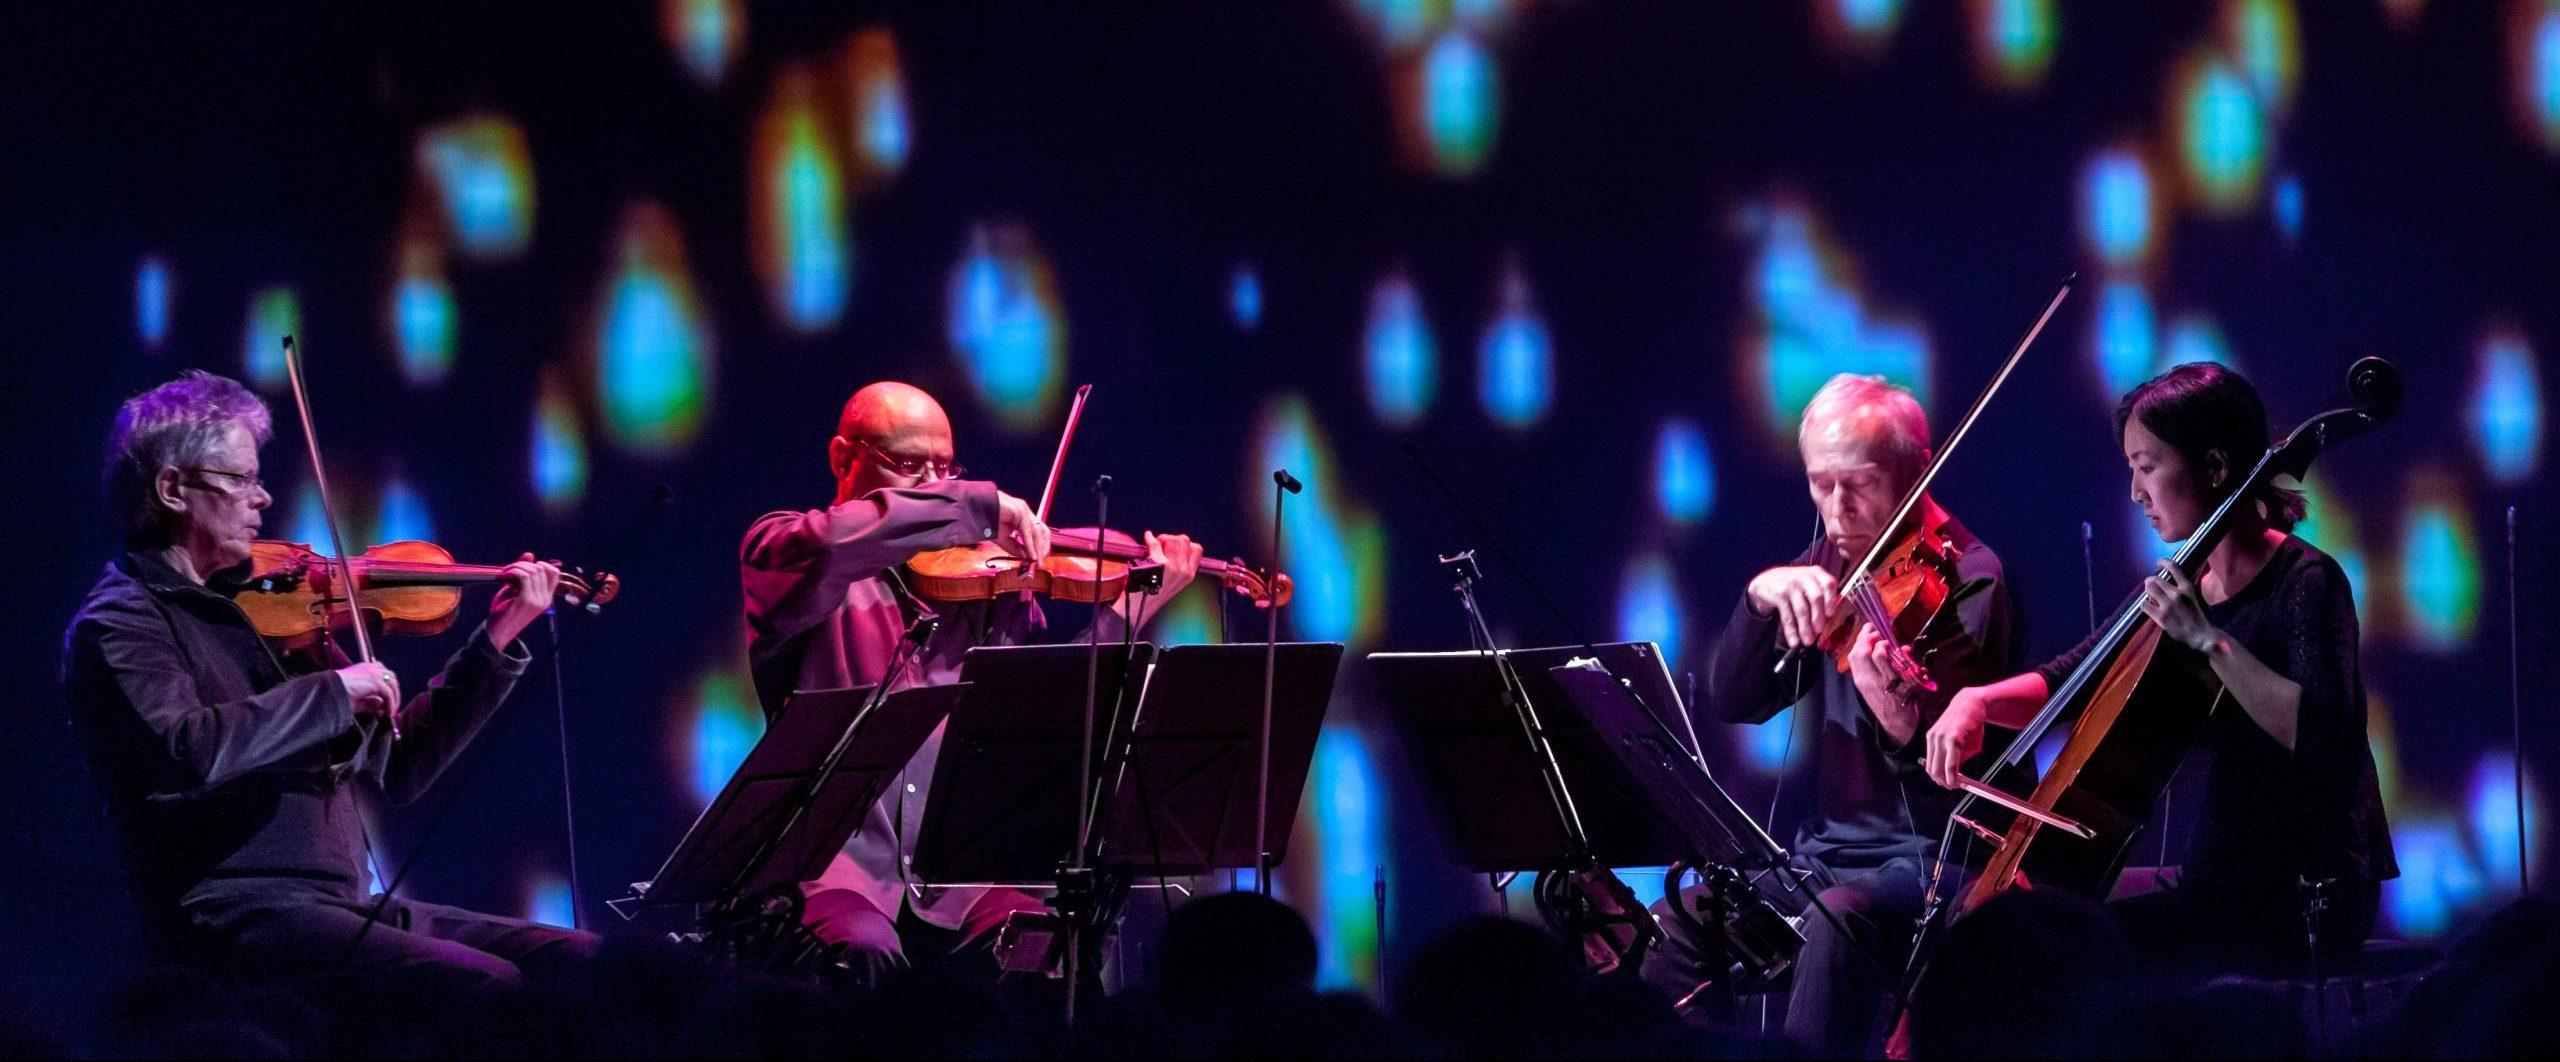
[2199, 930]
[1842, 989]
[291, 929]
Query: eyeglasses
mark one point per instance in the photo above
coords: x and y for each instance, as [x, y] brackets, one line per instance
[247, 482]
[916, 467]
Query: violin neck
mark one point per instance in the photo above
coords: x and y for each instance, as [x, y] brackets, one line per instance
[394, 573]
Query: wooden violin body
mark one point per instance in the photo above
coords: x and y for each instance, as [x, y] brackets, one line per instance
[1077, 569]
[982, 571]
[293, 596]
[1910, 585]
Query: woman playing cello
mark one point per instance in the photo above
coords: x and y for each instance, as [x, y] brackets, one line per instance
[2292, 822]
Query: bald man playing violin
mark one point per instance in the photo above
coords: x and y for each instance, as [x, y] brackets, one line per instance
[827, 604]
[231, 771]
[1877, 817]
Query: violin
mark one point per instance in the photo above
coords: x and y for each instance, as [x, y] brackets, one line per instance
[1075, 570]
[1901, 585]
[294, 593]
[1084, 565]
[1903, 597]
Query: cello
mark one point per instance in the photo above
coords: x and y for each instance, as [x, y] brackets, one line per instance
[2141, 702]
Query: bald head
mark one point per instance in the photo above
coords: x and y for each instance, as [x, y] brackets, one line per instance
[886, 410]
[885, 426]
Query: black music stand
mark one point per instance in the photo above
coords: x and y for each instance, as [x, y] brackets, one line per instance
[1181, 801]
[1721, 842]
[1002, 808]
[1485, 776]
[1176, 783]
[749, 841]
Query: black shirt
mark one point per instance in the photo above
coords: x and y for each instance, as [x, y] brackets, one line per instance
[2271, 816]
[224, 765]
[1875, 804]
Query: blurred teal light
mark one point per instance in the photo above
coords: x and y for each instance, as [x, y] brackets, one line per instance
[1402, 359]
[1684, 473]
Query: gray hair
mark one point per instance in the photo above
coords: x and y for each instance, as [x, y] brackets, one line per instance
[174, 425]
[1886, 415]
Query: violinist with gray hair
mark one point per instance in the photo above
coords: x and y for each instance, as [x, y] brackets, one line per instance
[231, 772]
[1877, 817]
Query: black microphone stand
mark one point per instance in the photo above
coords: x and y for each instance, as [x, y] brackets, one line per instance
[1282, 486]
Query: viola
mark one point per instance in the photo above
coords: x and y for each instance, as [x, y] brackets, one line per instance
[294, 593]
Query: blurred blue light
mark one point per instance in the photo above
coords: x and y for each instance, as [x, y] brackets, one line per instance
[705, 35]
[1769, 747]
[1649, 608]
[1403, 361]
[2494, 826]
[404, 516]
[2439, 575]
[483, 175]
[725, 727]
[1336, 551]
[1005, 324]
[151, 301]
[1815, 325]
[422, 314]
[2264, 36]
[1684, 473]
[2437, 878]
[1350, 812]
[1516, 363]
[2126, 343]
[2506, 409]
[273, 314]
[2116, 188]
[548, 903]
[1459, 103]
[1869, 18]
[1244, 297]
[652, 344]
[310, 524]
[2015, 44]
[559, 449]
[1398, 24]
[882, 130]
[2223, 134]
[2193, 338]
[2288, 207]
[652, 363]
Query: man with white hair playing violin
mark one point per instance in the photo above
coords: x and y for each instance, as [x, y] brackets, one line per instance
[1878, 818]
[231, 771]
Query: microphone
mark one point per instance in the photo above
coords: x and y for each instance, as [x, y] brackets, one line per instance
[1101, 485]
[1286, 481]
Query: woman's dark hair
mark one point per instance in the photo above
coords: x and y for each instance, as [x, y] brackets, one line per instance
[2199, 407]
